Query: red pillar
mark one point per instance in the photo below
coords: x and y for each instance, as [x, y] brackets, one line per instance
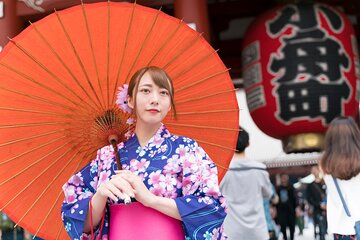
[194, 12]
[10, 23]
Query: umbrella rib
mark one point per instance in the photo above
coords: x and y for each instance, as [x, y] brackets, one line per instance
[209, 112]
[41, 112]
[143, 44]
[31, 150]
[202, 80]
[206, 127]
[103, 122]
[54, 178]
[205, 96]
[216, 145]
[221, 166]
[64, 65]
[191, 43]
[32, 111]
[108, 58]
[35, 178]
[81, 65]
[55, 203]
[29, 166]
[32, 124]
[48, 214]
[42, 66]
[92, 48]
[193, 65]
[38, 98]
[125, 46]
[170, 36]
[61, 228]
[27, 138]
[38, 83]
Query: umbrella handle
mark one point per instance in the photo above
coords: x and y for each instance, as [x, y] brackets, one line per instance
[113, 141]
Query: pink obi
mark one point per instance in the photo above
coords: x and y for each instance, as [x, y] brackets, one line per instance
[135, 221]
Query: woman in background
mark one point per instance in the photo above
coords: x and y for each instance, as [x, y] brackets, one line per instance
[341, 159]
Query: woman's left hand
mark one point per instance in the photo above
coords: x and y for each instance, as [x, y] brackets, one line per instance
[142, 193]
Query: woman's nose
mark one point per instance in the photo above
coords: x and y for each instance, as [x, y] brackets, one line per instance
[155, 98]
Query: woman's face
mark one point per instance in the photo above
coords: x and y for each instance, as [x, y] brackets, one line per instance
[152, 102]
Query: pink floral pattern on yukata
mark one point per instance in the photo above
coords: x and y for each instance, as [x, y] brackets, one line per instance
[170, 166]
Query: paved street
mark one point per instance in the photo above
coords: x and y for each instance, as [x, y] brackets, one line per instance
[308, 234]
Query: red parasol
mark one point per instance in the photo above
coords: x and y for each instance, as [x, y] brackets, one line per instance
[58, 87]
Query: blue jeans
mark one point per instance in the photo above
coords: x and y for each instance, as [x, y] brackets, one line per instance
[320, 223]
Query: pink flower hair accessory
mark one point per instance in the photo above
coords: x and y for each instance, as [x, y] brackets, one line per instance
[122, 97]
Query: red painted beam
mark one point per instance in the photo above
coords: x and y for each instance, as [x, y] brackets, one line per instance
[48, 6]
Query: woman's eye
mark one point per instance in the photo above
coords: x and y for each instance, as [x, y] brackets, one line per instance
[144, 90]
[165, 93]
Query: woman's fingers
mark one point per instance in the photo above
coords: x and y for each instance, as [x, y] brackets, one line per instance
[123, 185]
[110, 191]
[142, 194]
[126, 174]
[117, 188]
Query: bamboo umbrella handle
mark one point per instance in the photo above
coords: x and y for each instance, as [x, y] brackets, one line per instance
[113, 139]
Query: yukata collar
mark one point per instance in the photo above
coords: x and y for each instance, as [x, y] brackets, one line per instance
[162, 132]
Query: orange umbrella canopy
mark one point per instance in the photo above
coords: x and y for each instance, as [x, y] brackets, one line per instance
[59, 80]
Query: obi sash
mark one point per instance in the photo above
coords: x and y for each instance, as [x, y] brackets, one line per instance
[135, 222]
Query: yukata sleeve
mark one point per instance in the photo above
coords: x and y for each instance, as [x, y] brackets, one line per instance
[202, 207]
[78, 191]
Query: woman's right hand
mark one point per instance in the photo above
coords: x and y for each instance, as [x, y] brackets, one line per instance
[115, 189]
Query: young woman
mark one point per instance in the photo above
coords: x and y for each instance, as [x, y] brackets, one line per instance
[170, 174]
[341, 159]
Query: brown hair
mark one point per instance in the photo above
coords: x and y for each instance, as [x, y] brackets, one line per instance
[341, 157]
[160, 78]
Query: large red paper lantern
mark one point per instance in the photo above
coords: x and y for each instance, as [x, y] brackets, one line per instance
[300, 70]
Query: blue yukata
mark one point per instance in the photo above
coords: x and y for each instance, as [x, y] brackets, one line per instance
[171, 166]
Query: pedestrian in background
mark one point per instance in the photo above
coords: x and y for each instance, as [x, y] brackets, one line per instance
[286, 207]
[244, 187]
[341, 159]
[316, 194]
[274, 199]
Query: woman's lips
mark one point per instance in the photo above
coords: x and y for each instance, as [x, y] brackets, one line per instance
[153, 110]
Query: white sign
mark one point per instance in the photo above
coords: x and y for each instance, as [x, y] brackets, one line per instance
[1, 9]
